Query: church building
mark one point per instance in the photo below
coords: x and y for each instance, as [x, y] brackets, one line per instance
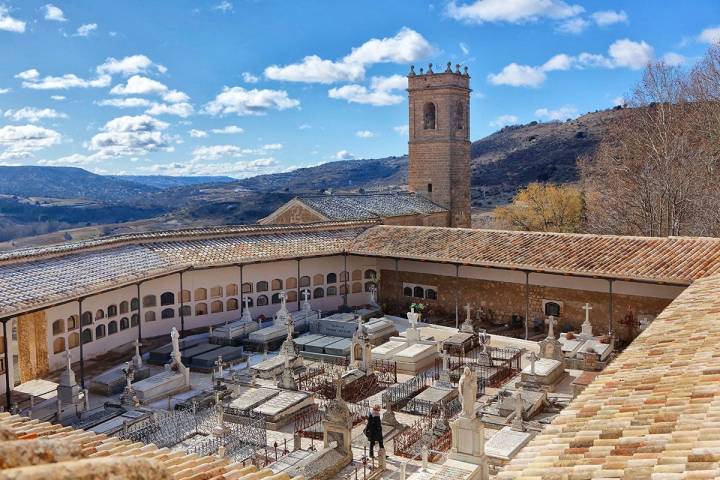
[438, 164]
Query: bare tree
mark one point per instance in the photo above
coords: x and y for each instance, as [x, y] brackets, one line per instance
[656, 172]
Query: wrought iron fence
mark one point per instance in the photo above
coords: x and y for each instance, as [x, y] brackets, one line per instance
[398, 395]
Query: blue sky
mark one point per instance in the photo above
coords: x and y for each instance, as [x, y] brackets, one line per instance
[231, 87]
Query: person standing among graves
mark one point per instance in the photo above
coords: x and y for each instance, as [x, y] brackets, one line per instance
[373, 430]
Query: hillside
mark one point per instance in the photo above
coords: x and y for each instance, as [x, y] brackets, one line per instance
[67, 182]
[167, 181]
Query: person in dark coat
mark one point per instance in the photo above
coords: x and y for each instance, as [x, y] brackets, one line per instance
[373, 431]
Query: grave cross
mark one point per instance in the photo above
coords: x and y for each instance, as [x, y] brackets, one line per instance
[219, 365]
[587, 309]
[306, 295]
[467, 309]
[246, 299]
[551, 321]
[532, 358]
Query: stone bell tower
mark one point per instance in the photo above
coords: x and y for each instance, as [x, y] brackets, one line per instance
[439, 144]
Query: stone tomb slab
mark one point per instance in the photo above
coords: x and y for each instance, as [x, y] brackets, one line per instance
[161, 355]
[160, 386]
[190, 353]
[505, 444]
[415, 358]
[253, 397]
[303, 340]
[282, 407]
[547, 372]
[337, 327]
[265, 335]
[113, 381]
[340, 348]
[318, 346]
[387, 349]
[207, 360]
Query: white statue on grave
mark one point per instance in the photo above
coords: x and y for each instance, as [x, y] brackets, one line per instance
[467, 388]
[532, 357]
[586, 329]
[551, 321]
[412, 335]
[517, 423]
[373, 295]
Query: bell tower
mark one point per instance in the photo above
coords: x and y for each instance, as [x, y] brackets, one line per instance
[439, 143]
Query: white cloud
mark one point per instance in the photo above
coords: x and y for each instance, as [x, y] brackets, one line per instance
[129, 102]
[314, 69]
[464, 48]
[53, 13]
[224, 6]
[402, 129]
[503, 120]
[623, 53]
[182, 110]
[710, 35]
[344, 155]
[627, 53]
[609, 17]
[516, 75]
[249, 102]
[406, 46]
[272, 146]
[72, 160]
[379, 93]
[249, 78]
[673, 59]
[139, 85]
[562, 113]
[618, 101]
[512, 11]
[32, 114]
[229, 129]
[574, 25]
[129, 66]
[215, 152]
[58, 98]
[31, 79]
[194, 133]
[4, 91]
[176, 96]
[131, 136]
[19, 141]
[8, 23]
[240, 168]
[364, 134]
[304, 126]
[85, 30]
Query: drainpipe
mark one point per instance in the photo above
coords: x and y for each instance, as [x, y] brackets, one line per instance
[82, 357]
[8, 393]
[457, 313]
[139, 314]
[527, 302]
[182, 304]
[610, 314]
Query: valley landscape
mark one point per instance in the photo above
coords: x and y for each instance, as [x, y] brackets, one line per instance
[46, 205]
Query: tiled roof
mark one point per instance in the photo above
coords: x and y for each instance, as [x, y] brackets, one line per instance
[370, 205]
[48, 277]
[96, 449]
[36, 278]
[671, 260]
[653, 413]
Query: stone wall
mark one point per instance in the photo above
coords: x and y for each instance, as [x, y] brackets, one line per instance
[506, 299]
[440, 219]
[32, 345]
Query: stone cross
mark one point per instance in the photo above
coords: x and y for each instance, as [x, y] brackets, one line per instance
[175, 337]
[467, 309]
[586, 328]
[246, 299]
[306, 295]
[551, 321]
[219, 365]
[533, 358]
[445, 360]
[413, 317]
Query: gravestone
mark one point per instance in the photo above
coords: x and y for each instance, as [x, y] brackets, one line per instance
[175, 378]
[468, 432]
[467, 325]
[68, 390]
[551, 347]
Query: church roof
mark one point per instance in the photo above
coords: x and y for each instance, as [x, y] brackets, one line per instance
[370, 205]
[665, 259]
[654, 412]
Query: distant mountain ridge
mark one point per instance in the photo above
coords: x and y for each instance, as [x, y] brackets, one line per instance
[169, 181]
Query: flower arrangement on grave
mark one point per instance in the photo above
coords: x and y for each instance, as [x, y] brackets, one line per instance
[419, 308]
